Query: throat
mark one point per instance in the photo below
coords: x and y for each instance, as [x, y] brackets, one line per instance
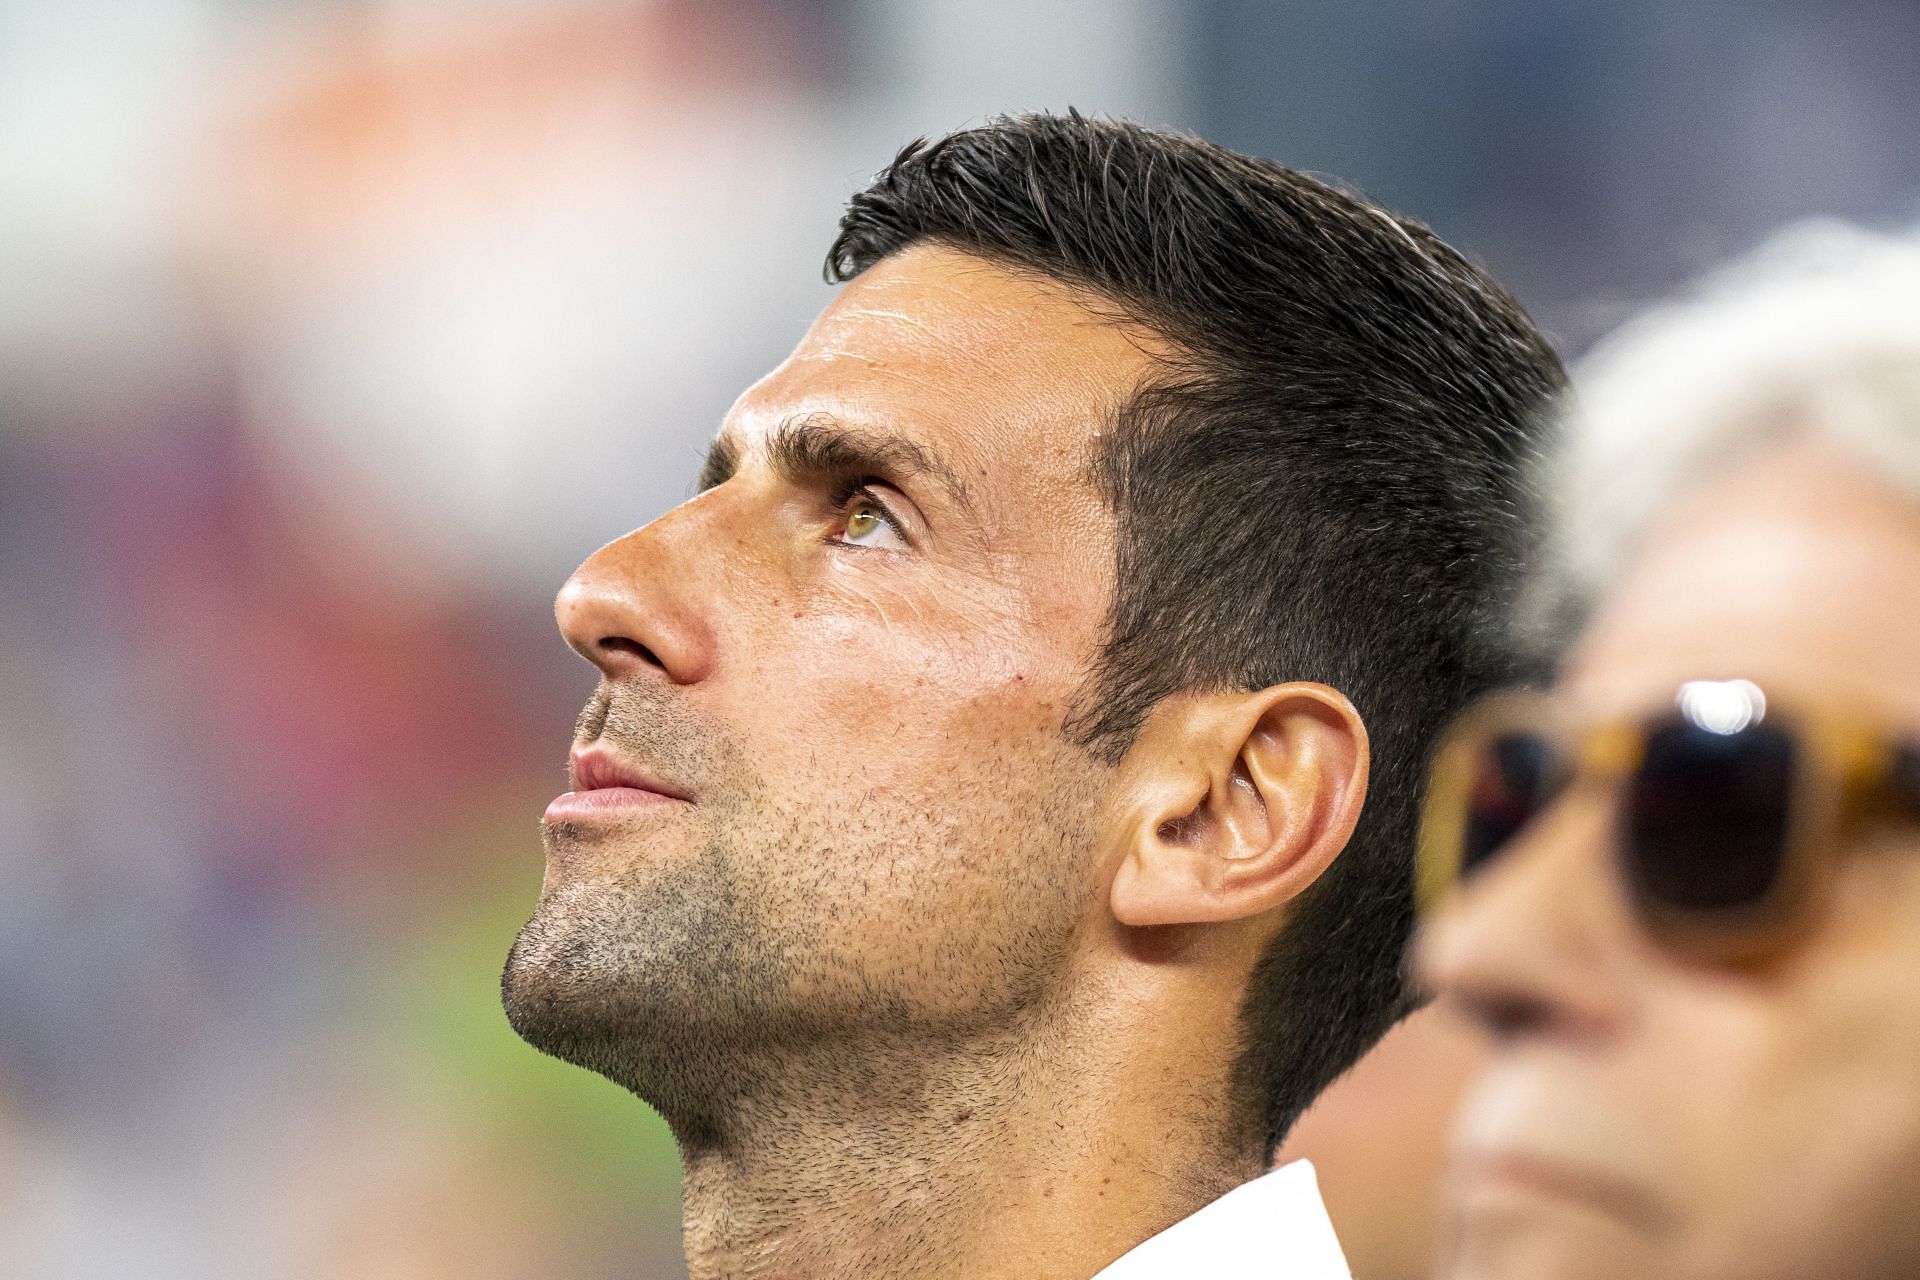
[971, 1164]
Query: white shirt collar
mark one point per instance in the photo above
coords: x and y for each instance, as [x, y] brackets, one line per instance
[1273, 1228]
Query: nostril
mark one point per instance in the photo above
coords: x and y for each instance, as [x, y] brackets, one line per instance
[1509, 1016]
[628, 645]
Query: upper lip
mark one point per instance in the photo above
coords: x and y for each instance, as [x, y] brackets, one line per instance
[596, 767]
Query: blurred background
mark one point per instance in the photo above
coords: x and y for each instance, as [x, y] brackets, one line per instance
[334, 333]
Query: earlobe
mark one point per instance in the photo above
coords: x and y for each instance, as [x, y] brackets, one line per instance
[1237, 802]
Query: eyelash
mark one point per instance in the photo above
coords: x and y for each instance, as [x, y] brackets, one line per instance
[847, 489]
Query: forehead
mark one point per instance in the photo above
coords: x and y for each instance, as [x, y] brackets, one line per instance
[1006, 376]
[1796, 569]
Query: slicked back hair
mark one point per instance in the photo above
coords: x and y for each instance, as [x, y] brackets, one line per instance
[1326, 483]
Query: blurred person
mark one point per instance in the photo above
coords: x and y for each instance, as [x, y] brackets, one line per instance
[966, 851]
[1377, 1138]
[1692, 922]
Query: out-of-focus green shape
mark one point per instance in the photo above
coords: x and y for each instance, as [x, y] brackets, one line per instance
[444, 1000]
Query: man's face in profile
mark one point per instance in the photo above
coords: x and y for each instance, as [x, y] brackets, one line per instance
[844, 669]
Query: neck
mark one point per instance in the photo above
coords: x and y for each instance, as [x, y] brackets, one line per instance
[1047, 1152]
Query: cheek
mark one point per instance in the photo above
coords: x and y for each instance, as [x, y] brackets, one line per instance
[895, 692]
[1858, 1006]
[1795, 1098]
[948, 873]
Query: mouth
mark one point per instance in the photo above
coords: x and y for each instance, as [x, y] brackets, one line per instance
[1507, 1174]
[603, 784]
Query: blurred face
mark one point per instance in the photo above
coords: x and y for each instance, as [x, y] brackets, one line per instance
[822, 794]
[1646, 1115]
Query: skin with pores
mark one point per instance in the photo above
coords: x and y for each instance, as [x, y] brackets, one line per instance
[924, 988]
[1644, 1116]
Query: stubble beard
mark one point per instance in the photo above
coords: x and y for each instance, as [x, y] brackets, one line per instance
[652, 981]
[697, 983]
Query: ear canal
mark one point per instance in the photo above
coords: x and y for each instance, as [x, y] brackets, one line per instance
[1188, 828]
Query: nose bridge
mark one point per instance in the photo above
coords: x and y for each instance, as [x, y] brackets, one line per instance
[1538, 937]
[639, 602]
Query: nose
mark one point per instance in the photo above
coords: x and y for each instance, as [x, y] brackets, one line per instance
[632, 608]
[1537, 942]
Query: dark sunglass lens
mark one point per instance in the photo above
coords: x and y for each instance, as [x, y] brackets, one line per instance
[1707, 816]
[1514, 778]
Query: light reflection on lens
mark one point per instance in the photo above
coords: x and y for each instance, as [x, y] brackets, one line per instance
[1722, 706]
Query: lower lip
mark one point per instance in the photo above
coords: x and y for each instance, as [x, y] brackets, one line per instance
[1503, 1176]
[603, 802]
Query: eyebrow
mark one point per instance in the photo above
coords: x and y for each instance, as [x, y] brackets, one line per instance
[813, 445]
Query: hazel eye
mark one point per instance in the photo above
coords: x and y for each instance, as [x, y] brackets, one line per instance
[863, 523]
[869, 525]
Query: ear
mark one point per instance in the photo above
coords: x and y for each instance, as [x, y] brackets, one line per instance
[1236, 803]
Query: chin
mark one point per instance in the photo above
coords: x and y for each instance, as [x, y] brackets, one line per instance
[599, 959]
[556, 995]
[661, 984]
[1535, 1242]
[630, 1023]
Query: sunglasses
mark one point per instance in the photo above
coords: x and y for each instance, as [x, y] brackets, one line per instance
[1728, 811]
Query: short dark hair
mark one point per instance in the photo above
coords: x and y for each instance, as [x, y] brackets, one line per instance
[1327, 483]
